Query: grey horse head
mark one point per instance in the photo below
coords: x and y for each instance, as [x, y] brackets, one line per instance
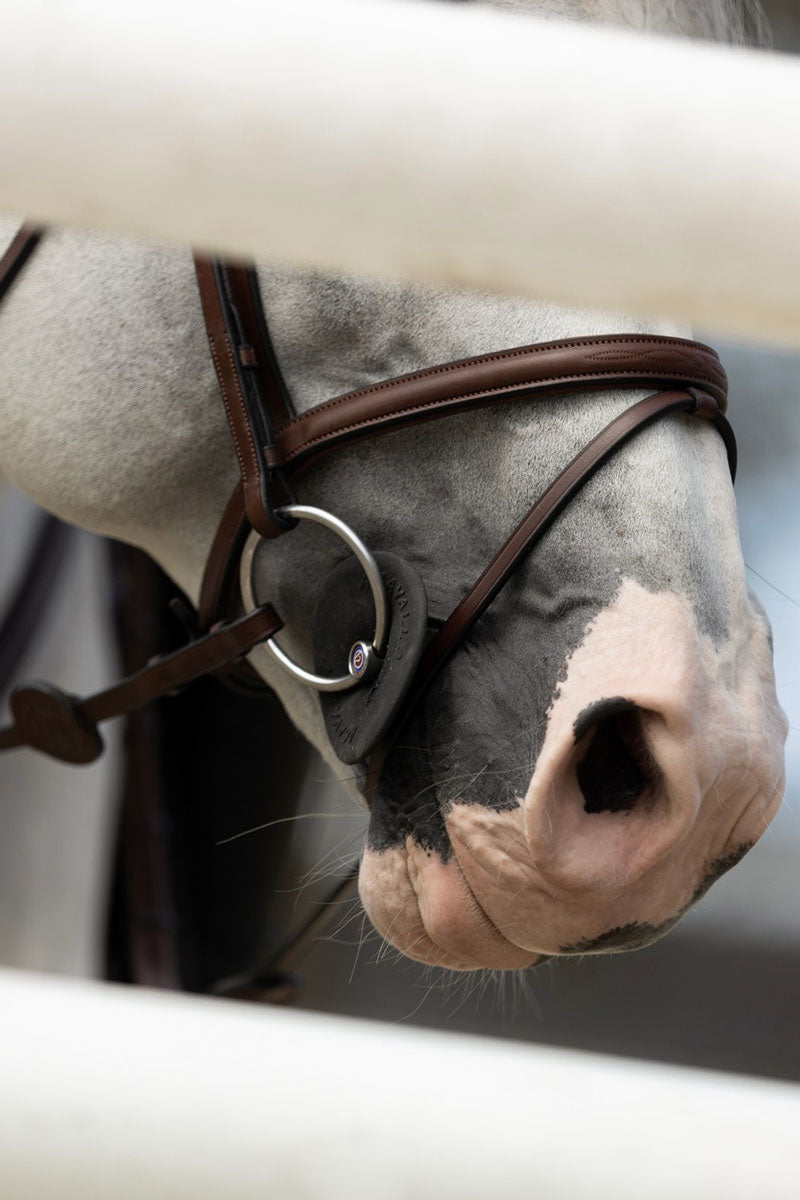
[607, 740]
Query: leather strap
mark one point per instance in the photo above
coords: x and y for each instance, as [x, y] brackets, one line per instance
[19, 251]
[219, 587]
[65, 727]
[619, 360]
[257, 352]
[253, 392]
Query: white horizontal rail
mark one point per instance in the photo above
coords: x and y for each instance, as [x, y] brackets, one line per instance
[423, 140]
[129, 1094]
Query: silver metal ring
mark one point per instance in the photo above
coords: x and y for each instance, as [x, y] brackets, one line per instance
[363, 655]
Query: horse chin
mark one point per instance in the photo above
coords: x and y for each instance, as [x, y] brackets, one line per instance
[424, 907]
[636, 801]
[487, 906]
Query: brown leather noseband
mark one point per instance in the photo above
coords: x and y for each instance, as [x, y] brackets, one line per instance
[274, 446]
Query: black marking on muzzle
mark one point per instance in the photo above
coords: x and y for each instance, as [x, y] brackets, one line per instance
[633, 936]
[639, 933]
[719, 867]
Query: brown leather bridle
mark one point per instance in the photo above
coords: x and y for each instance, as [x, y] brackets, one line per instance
[274, 447]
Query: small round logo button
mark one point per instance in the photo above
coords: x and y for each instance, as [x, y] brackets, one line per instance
[359, 657]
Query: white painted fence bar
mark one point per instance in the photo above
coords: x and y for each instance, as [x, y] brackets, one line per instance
[128, 1094]
[435, 141]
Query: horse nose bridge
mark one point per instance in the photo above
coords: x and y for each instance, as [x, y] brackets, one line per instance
[612, 796]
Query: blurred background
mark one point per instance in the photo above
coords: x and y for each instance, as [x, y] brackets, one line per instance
[721, 991]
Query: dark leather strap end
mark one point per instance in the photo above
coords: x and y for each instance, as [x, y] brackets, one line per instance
[64, 727]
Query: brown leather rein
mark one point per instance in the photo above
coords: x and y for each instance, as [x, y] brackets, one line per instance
[274, 447]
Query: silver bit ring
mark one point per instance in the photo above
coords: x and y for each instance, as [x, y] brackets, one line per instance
[363, 661]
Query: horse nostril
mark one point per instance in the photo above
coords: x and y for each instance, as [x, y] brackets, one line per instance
[616, 771]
